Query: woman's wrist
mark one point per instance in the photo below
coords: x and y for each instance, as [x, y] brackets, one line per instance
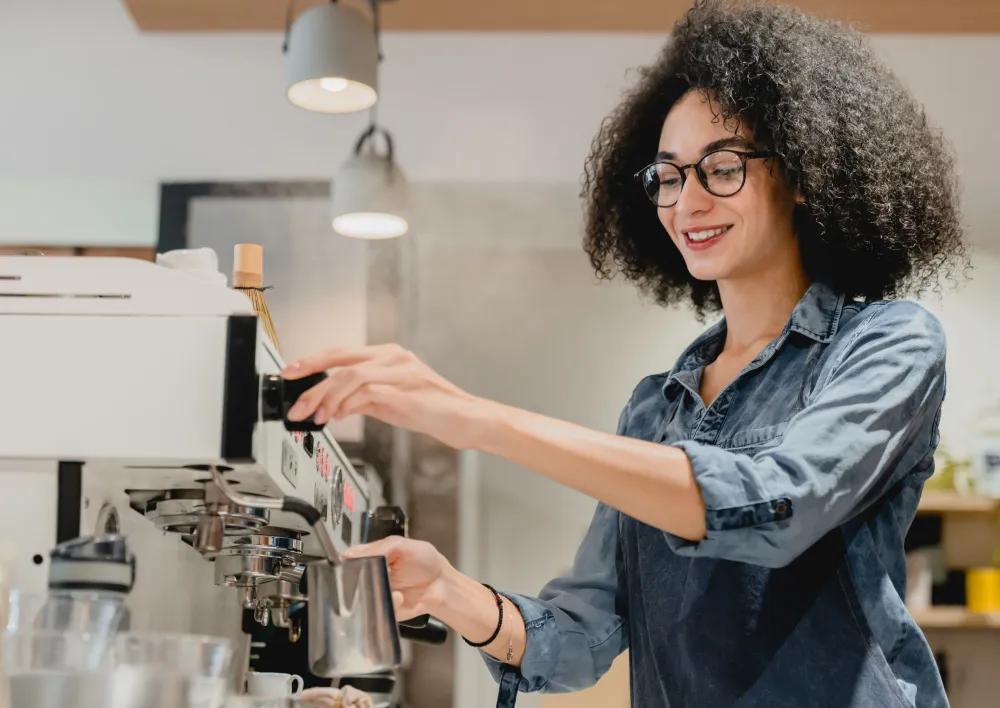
[451, 592]
[486, 421]
[464, 604]
[470, 609]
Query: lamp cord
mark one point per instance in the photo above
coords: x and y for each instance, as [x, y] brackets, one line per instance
[369, 136]
[373, 128]
[288, 25]
[377, 26]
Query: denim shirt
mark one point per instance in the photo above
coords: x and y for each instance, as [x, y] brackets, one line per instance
[810, 464]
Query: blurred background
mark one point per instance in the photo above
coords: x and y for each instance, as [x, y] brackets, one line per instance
[135, 126]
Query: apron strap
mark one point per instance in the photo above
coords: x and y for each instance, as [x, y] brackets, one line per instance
[510, 678]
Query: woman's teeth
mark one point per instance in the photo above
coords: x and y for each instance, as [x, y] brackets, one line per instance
[705, 235]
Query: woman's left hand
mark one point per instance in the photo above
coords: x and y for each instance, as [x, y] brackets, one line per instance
[391, 384]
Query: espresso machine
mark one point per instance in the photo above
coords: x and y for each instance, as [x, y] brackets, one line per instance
[148, 396]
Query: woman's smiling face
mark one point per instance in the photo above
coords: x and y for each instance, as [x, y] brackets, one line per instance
[725, 238]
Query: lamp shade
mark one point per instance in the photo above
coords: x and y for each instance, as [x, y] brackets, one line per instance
[370, 198]
[331, 60]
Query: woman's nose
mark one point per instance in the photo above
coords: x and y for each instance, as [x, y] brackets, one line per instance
[693, 198]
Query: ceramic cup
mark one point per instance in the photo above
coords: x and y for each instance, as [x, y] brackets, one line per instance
[273, 685]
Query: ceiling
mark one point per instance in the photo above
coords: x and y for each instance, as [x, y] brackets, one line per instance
[916, 16]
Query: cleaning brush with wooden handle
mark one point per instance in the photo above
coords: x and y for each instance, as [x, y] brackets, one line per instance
[248, 276]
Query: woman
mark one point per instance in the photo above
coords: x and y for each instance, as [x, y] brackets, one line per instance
[747, 546]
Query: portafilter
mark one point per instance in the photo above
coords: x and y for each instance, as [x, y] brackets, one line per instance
[352, 622]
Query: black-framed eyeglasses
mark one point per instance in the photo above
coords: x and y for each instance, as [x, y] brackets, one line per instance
[721, 172]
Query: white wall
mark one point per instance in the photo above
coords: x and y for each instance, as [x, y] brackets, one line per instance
[88, 97]
[55, 210]
[971, 318]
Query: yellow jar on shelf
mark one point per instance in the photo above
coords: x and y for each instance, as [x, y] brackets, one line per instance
[982, 589]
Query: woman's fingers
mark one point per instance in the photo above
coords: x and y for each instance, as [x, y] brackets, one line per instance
[326, 359]
[324, 399]
[388, 547]
[371, 399]
[347, 381]
[402, 610]
[358, 402]
[342, 356]
[309, 401]
[385, 364]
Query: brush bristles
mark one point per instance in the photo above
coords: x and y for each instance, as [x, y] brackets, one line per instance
[260, 307]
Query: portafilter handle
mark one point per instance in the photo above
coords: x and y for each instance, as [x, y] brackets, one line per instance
[424, 628]
[290, 504]
[277, 395]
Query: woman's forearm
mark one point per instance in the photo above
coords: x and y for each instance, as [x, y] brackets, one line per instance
[470, 609]
[650, 482]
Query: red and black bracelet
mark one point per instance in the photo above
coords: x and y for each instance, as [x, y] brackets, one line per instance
[496, 631]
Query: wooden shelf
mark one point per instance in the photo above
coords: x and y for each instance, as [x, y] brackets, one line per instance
[934, 501]
[146, 253]
[956, 617]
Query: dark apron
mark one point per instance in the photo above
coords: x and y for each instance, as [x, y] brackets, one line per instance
[510, 677]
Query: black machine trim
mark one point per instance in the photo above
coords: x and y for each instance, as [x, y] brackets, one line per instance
[69, 498]
[239, 410]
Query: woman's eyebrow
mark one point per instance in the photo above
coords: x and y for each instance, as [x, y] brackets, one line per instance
[734, 141]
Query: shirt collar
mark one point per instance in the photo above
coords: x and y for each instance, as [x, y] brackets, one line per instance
[817, 316]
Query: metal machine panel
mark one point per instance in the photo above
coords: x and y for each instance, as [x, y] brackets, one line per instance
[132, 388]
[127, 369]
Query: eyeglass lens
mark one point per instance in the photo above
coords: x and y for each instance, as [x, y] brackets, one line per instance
[721, 173]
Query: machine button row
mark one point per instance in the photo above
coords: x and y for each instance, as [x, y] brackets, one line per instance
[323, 465]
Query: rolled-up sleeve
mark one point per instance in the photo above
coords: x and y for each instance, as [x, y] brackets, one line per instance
[872, 418]
[576, 626]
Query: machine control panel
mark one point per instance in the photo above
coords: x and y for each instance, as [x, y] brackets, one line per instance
[320, 474]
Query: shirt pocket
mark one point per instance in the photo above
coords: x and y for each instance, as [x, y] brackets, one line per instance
[749, 440]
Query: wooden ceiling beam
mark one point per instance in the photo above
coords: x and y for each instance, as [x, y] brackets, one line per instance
[900, 16]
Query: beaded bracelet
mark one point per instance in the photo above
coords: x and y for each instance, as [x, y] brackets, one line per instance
[496, 631]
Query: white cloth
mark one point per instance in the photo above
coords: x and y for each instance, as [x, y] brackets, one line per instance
[347, 697]
[200, 263]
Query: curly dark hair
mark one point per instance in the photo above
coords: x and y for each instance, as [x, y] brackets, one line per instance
[881, 215]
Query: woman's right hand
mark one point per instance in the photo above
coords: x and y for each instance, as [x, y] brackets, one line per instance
[425, 583]
[417, 573]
